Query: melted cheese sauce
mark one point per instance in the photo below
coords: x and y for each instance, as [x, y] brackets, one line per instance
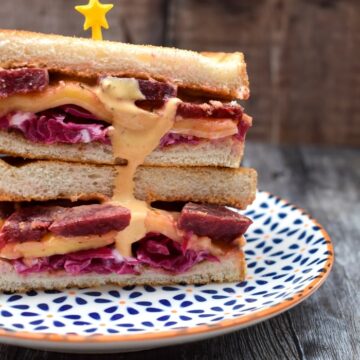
[135, 134]
[55, 245]
[63, 94]
[89, 98]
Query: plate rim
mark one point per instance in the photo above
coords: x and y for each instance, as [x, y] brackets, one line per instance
[199, 331]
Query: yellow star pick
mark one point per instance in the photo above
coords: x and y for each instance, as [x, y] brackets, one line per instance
[95, 18]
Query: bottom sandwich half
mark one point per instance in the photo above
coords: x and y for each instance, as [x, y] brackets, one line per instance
[56, 245]
[59, 227]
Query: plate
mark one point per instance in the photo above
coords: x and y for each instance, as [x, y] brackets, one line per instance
[289, 256]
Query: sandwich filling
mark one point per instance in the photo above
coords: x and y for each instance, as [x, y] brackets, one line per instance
[124, 234]
[70, 112]
[81, 239]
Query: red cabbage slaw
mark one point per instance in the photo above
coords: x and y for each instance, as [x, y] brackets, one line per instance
[70, 124]
[67, 124]
[155, 250]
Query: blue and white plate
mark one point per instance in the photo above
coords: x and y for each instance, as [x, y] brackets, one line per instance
[289, 256]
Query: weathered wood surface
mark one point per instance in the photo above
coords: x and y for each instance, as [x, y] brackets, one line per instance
[303, 55]
[325, 182]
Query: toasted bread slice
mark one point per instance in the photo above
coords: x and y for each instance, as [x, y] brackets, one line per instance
[217, 74]
[47, 180]
[230, 268]
[226, 152]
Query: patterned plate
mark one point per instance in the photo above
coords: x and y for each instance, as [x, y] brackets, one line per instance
[289, 256]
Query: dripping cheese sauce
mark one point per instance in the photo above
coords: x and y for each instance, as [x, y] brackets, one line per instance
[136, 133]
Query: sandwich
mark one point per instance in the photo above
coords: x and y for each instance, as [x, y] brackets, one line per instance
[119, 164]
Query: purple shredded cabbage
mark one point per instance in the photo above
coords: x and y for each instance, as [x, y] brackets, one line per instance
[100, 261]
[78, 112]
[174, 139]
[156, 251]
[60, 125]
[242, 130]
[160, 252]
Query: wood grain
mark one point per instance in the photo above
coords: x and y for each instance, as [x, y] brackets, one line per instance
[302, 55]
[302, 61]
[130, 22]
[325, 182]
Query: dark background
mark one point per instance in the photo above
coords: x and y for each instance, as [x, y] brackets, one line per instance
[303, 55]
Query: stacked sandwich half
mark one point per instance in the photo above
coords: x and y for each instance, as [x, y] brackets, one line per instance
[118, 164]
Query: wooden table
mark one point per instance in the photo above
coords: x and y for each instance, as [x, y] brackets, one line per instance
[326, 182]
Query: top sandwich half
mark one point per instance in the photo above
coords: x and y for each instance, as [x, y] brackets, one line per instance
[58, 97]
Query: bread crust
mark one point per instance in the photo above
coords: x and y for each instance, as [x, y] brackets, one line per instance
[221, 75]
[221, 186]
